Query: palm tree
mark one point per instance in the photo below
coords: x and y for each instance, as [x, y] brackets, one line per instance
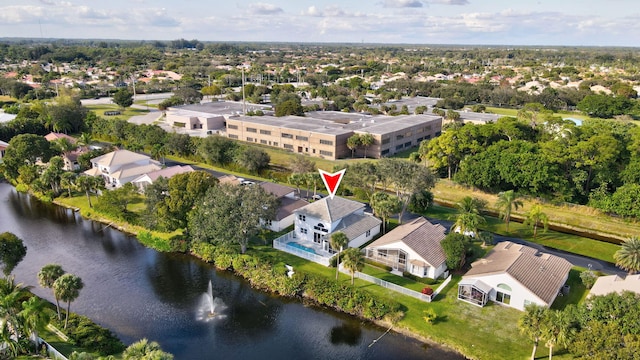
[47, 276]
[8, 340]
[353, 142]
[67, 288]
[144, 349]
[11, 296]
[628, 257]
[85, 140]
[353, 261]
[88, 184]
[557, 329]
[531, 324]
[297, 180]
[366, 140]
[469, 218]
[338, 241]
[507, 201]
[535, 218]
[34, 316]
[67, 181]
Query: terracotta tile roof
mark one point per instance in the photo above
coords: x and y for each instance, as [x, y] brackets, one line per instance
[543, 274]
[52, 136]
[331, 210]
[421, 236]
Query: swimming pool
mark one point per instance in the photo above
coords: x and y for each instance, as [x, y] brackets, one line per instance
[301, 247]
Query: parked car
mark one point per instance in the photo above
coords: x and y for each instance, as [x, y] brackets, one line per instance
[317, 197]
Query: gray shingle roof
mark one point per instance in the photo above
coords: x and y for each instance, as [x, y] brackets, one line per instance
[355, 225]
[331, 210]
[421, 236]
[276, 189]
[288, 206]
[543, 274]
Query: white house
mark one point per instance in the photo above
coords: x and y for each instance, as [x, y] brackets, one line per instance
[514, 275]
[3, 147]
[314, 223]
[144, 180]
[121, 166]
[413, 247]
[288, 203]
[614, 283]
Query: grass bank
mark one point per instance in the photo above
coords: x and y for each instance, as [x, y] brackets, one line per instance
[125, 114]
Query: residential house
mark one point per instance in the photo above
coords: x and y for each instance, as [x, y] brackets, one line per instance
[144, 180]
[614, 283]
[121, 166]
[3, 147]
[413, 247]
[288, 203]
[70, 158]
[314, 224]
[514, 275]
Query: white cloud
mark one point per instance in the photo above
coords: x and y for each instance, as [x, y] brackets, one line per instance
[402, 4]
[450, 2]
[264, 9]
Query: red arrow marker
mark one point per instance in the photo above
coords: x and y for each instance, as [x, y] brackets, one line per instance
[332, 180]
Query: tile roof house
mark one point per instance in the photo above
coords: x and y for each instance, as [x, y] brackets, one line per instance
[314, 223]
[413, 247]
[614, 283]
[288, 204]
[144, 180]
[121, 166]
[70, 158]
[514, 275]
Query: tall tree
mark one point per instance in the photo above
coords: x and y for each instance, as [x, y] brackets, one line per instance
[531, 324]
[353, 261]
[301, 165]
[338, 241]
[296, 180]
[12, 251]
[408, 178]
[366, 140]
[34, 315]
[557, 329]
[468, 219]
[231, 214]
[67, 288]
[507, 201]
[628, 256]
[385, 205]
[454, 246]
[12, 295]
[47, 276]
[89, 184]
[353, 142]
[25, 148]
[536, 217]
[253, 159]
[123, 98]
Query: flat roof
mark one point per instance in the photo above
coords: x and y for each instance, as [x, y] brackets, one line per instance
[378, 125]
[221, 107]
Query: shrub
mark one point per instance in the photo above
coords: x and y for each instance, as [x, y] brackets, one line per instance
[427, 290]
[204, 251]
[588, 278]
[430, 315]
[85, 333]
[424, 280]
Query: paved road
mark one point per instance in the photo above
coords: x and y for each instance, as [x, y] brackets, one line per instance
[577, 260]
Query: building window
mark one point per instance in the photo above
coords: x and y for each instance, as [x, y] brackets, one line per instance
[287, 136]
[302, 217]
[326, 142]
[399, 137]
[384, 152]
[268, 223]
[368, 233]
[427, 128]
[231, 136]
[407, 144]
[252, 130]
[425, 271]
[303, 231]
[326, 153]
[427, 137]
[503, 298]
[275, 143]
[303, 138]
[288, 146]
[382, 253]
[233, 127]
[386, 141]
[263, 142]
[265, 132]
[420, 139]
[408, 134]
[399, 147]
[250, 139]
[438, 133]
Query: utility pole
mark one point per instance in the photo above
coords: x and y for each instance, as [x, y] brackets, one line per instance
[133, 78]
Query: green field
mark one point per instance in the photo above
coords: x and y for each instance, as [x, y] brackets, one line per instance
[125, 114]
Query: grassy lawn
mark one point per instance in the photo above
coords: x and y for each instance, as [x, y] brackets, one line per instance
[577, 291]
[126, 114]
[7, 98]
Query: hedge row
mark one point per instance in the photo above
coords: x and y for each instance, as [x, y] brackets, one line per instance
[264, 275]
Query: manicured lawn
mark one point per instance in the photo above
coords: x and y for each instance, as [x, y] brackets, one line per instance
[126, 114]
[577, 291]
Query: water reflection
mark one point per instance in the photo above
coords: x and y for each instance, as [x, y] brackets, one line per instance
[140, 293]
[346, 333]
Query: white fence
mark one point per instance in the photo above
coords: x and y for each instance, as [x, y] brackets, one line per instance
[281, 244]
[52, 352]
[441, 287]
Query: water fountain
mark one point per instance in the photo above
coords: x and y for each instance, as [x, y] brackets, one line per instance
[210, 307]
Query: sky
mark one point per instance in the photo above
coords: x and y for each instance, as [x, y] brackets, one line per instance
[472, 22]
